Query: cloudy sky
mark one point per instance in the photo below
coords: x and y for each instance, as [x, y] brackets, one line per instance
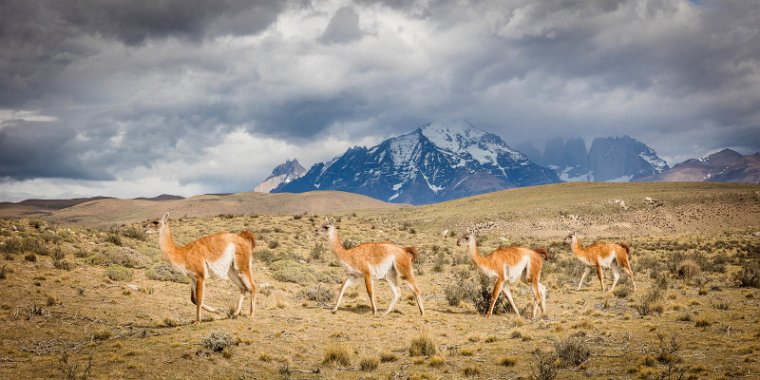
[141, 97]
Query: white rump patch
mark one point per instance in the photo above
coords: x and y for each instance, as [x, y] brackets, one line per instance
[220, 267]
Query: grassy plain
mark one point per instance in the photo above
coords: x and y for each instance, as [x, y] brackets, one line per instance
[85, 302]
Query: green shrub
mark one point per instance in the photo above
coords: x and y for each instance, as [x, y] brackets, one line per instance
[650, 302]
[318, 294]
[292, 271]
[749, 276]
[572, 351]
[166, 272]
[462, 288]
[11, 246]
[114, 239]
[317, 252]
[545, 365]
[119, 256]
[119, 273]
[218, 341]
[134, 233]
[622, 291]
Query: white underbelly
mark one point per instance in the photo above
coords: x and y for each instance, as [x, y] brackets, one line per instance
[489, 272]
[607, 261]
[221, 266]
[351, 270]
[380, 270]
[514, 272]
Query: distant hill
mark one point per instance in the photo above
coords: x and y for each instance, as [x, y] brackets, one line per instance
[162, 197]
[724, 166]
[106, 212]
[57, 204]
[37, 207]
[434, 163]
[595, 208]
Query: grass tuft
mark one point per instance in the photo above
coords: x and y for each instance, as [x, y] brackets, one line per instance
[422, 346]
[337, 354]
[368, 363]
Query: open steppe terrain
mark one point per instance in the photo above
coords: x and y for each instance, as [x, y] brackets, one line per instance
[91, 300]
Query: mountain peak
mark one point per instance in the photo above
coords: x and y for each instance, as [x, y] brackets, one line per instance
[289, 166]
[433, 163]
[453, 135]
[283, 173]
[724, 156]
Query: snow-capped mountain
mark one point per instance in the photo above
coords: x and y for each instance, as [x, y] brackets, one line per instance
[614, 159]
[437, 162]
[623, 159]
[724, 166]
[283, 173]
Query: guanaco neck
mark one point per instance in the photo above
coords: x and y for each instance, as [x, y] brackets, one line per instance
[333, 240]
[576, 247]
[166, 243]
[472, 248]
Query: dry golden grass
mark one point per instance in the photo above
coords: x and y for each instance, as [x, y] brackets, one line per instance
[60, 320]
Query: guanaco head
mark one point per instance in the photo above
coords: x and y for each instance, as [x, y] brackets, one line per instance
[569, 237]
[154, 225]
[464, 239]
[326, 226]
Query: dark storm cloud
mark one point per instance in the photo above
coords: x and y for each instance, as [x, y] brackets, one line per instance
[309, 115]
[139, 84]
[32, 150]
[40, 38]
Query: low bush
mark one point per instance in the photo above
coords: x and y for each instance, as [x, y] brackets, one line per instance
[218, 341]
[622, 291]
[544, 366]
[688, 269]
[166, 272]
[134, 233]
[572, 351]
[119, 273]
[125, 257]
[749, 276]
[318, 294]
[650, 302]
[114, 239]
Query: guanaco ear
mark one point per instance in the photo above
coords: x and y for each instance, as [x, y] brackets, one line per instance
[165, 217]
